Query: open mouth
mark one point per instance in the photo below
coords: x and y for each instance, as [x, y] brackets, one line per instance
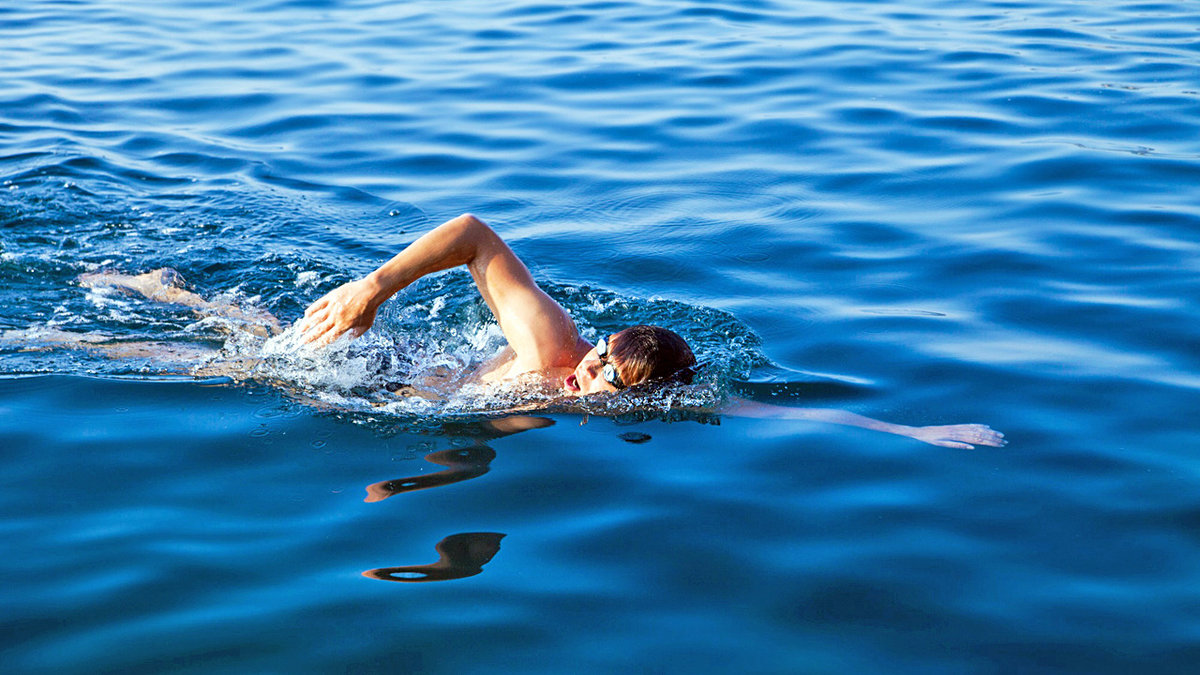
[571, 383]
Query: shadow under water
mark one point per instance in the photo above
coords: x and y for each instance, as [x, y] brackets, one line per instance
[460, 556]
[464, 464]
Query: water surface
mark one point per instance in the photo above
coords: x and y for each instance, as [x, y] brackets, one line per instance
[970, 211]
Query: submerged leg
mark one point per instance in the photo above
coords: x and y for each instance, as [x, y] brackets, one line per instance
[45, 338]
[166, 285]
[161, 285]
[169, 354]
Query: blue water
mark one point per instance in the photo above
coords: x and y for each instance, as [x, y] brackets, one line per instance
[960, 211]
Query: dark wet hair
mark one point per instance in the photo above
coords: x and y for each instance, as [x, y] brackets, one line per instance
[651, 353]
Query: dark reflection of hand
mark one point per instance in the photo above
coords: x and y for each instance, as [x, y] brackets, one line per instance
[461, 555]
[463, 463]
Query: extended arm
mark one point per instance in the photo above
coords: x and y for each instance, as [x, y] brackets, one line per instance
[949, 436]
[535, 325]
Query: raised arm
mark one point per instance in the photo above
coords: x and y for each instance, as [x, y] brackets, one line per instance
[949, 436]
[536, 326]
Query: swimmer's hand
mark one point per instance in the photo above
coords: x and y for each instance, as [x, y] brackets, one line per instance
[965, 436]
[347, 309]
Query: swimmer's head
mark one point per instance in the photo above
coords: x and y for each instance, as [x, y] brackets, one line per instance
[631, 357]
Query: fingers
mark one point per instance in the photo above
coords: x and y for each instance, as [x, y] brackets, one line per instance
[308, 329]
[328, 331]
[314, 316]
[322, 340]
[308, 337]
[314, 325]
[322, 329]
[993, 438]
[985, 435]
[967, 436]
[316, 306]
[322, 334]
[319, 320]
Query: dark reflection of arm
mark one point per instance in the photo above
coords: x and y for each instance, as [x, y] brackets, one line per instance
[461, 555]
[463, 464]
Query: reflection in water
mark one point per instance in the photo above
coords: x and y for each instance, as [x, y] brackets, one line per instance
[496, 428]
[463, 463]
[461, 555]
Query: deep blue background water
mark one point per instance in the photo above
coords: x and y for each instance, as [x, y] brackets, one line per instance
[986, 211]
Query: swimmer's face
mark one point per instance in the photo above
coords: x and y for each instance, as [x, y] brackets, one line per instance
[588, 377]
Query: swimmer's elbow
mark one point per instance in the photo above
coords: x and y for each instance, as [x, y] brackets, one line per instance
[470, 223]
[470, 230]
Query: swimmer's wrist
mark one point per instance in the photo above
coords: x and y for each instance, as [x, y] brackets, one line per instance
[377, 288]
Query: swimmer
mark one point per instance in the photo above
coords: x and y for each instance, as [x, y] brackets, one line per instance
[543, 341]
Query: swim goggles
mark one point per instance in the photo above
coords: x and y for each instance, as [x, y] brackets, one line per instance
[610, 372]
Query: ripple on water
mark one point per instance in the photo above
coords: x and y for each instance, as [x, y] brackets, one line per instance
[983, 212]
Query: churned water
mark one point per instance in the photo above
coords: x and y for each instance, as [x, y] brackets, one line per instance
[954, 211]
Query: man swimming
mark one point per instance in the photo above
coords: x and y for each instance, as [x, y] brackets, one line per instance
[543, 342]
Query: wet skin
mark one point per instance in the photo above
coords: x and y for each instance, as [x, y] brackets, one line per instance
[588, 378]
